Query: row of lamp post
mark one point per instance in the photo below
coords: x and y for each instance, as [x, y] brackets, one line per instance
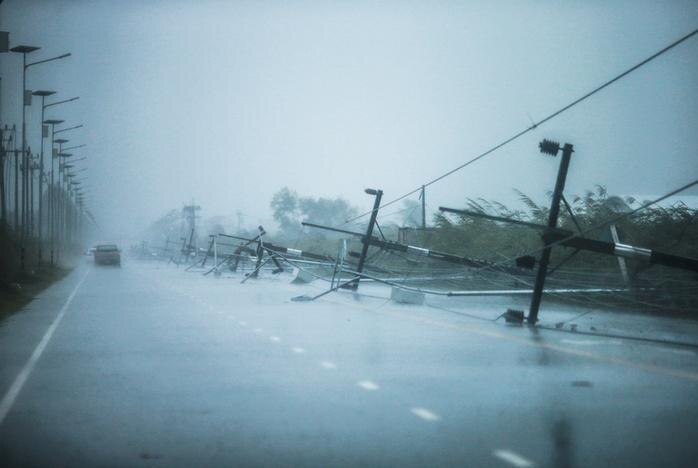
[62, 206]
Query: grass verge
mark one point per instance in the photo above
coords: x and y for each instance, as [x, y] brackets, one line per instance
[14, 296]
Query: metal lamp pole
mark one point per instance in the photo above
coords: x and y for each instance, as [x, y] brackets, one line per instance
[26, 100]
[70, 181]
[24, 50]
[52, 123]
[54, 197]
[44, 106]
[60, 219]
[54, 201]
[43, 95]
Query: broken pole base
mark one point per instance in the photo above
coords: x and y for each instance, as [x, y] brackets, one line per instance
[302, 277]
[403, 296]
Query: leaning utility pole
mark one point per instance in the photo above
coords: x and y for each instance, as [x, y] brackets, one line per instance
[551, 148]
[369, 233]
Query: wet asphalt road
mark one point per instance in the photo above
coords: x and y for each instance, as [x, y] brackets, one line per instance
[151, 366]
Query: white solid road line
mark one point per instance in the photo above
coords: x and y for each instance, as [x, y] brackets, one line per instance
[425, 414]
[590, 342]
[512, 458]
[9, 399]
[368, 385]
[682, 352]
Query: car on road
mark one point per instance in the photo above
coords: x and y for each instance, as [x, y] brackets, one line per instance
[107, 254]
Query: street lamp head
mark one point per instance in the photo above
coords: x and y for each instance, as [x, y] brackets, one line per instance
[53, 121]
[65, 155]
[60, 141]
[43, 93]
[24, 49]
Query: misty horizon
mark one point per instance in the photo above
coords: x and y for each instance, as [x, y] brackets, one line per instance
[226, 103]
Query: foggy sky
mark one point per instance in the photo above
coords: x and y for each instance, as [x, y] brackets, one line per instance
[224, 103]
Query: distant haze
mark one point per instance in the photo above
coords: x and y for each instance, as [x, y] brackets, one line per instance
[226, 102]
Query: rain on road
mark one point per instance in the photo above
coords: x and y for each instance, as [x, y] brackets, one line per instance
[151, 365]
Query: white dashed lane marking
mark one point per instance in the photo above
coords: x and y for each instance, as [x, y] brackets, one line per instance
[298, 350]
[368, 385]
[328, 365]
[425, 414]
[512, 458]
[257, 330]
[244, 324]
[275, 339]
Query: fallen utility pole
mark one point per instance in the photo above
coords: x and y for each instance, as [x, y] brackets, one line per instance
[202, 263]
[283, 250]
[259, 252]
[398, 247]
[236, 254]
[569, 239]
[275, 252]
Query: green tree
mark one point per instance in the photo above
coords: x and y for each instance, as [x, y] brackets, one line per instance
[284, 205]
[327, 211]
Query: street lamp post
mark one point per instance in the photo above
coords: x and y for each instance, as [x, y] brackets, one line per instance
[63, 203]
[68, 211]
[56, 195]
[32, 169]
[26, 100]
[72, 209]
[43, 94]
[52, 123]
[24, 50]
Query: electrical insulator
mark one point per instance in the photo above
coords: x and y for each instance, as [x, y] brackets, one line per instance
[549, 147]
[514, 316]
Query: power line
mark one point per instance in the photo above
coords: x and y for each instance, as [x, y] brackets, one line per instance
[532, 127]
